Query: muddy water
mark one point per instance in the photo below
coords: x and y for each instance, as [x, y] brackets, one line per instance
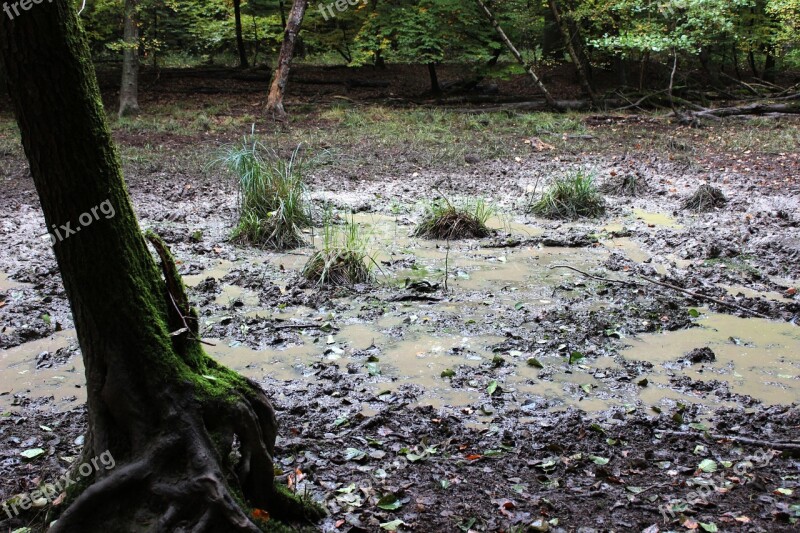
[18, 373]
[763, 361]
[756, 357]
[7, 284]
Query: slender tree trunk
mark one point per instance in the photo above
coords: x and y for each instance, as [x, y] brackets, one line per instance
[129, 90]
[436, 89]
[237, 14]
[511, 48]
[167, 413]
[281, 78]
[282, 9]
[573, 54]
[769, 66]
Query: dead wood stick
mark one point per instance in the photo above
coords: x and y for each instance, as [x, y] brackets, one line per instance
[302, 326]
[668, 286]
[703, 297]
[775, 445]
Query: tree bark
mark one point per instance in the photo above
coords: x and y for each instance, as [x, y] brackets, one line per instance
[167, 413]
[511, 48]
[129, 89]
[278, 89]
[237, 14]
[573, 54]
[436, 89]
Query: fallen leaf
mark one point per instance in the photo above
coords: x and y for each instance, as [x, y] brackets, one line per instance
[393, 525]
[260, 515]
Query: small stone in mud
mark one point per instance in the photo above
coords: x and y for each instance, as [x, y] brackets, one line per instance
[701, 355]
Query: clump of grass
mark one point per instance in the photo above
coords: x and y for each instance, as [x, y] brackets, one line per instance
[627, 185]
[705, 198]
[447, 221]
[571, 197]
[343, 260]
[272, 197]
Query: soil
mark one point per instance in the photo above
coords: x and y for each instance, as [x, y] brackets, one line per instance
[474, 388]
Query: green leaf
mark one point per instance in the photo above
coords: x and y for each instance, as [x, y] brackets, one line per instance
[596, 459]
[492, 388]
[448, 373]
[535, 363]
[587, 388]
[354, 454]
[708, 466]
[698, 426]
[390, 502]
[393, 525]
[444, 483]
[575, 357]
[694, 313]
[413, 457]
[373, 368]
[711, 527]
[33, 453]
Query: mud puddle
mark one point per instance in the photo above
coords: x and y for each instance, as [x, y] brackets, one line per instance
[419, 342]
[46, 367]
[753, 357]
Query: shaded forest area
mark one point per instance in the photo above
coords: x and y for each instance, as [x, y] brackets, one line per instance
[427, 265]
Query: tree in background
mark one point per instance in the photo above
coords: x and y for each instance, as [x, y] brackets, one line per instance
[169, 415]
[281, 77]
[129, 88]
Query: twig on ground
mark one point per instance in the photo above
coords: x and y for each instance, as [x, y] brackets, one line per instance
[775, 445]
[668, 286]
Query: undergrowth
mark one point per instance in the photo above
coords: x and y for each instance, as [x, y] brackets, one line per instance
[344, 259]
[446, 220]
[570, 197]
[272, 197]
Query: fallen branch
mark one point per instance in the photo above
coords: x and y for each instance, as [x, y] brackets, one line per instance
[759, 108]
[668, 286]
[775, 445]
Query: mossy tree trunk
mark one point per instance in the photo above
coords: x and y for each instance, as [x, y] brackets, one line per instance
[278, 88]
[168, 413]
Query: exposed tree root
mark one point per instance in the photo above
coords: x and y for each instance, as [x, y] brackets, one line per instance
[193, 453]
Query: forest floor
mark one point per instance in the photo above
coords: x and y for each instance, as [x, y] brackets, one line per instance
[521, 397]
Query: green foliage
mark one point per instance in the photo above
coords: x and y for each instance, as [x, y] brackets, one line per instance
[447, 221]
[571, 197]
[456, 31]
[272, 197]
[344, 259]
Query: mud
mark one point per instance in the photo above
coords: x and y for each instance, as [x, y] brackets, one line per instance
[512, 392]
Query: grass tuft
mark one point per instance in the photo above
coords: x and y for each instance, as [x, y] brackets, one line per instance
[344, 260]
[571, 197]
[628, 185]
[272, 197]
[445, 221]
[705, 198]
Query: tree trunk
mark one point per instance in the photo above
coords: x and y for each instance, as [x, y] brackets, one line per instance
[237, 14]
[276, 92]
[167, 413]
[769, 66]
[436, 90]
[511, 48]
[129, 90]
[573, 54]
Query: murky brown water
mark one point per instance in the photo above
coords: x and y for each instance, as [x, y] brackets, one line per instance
[762, 360]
